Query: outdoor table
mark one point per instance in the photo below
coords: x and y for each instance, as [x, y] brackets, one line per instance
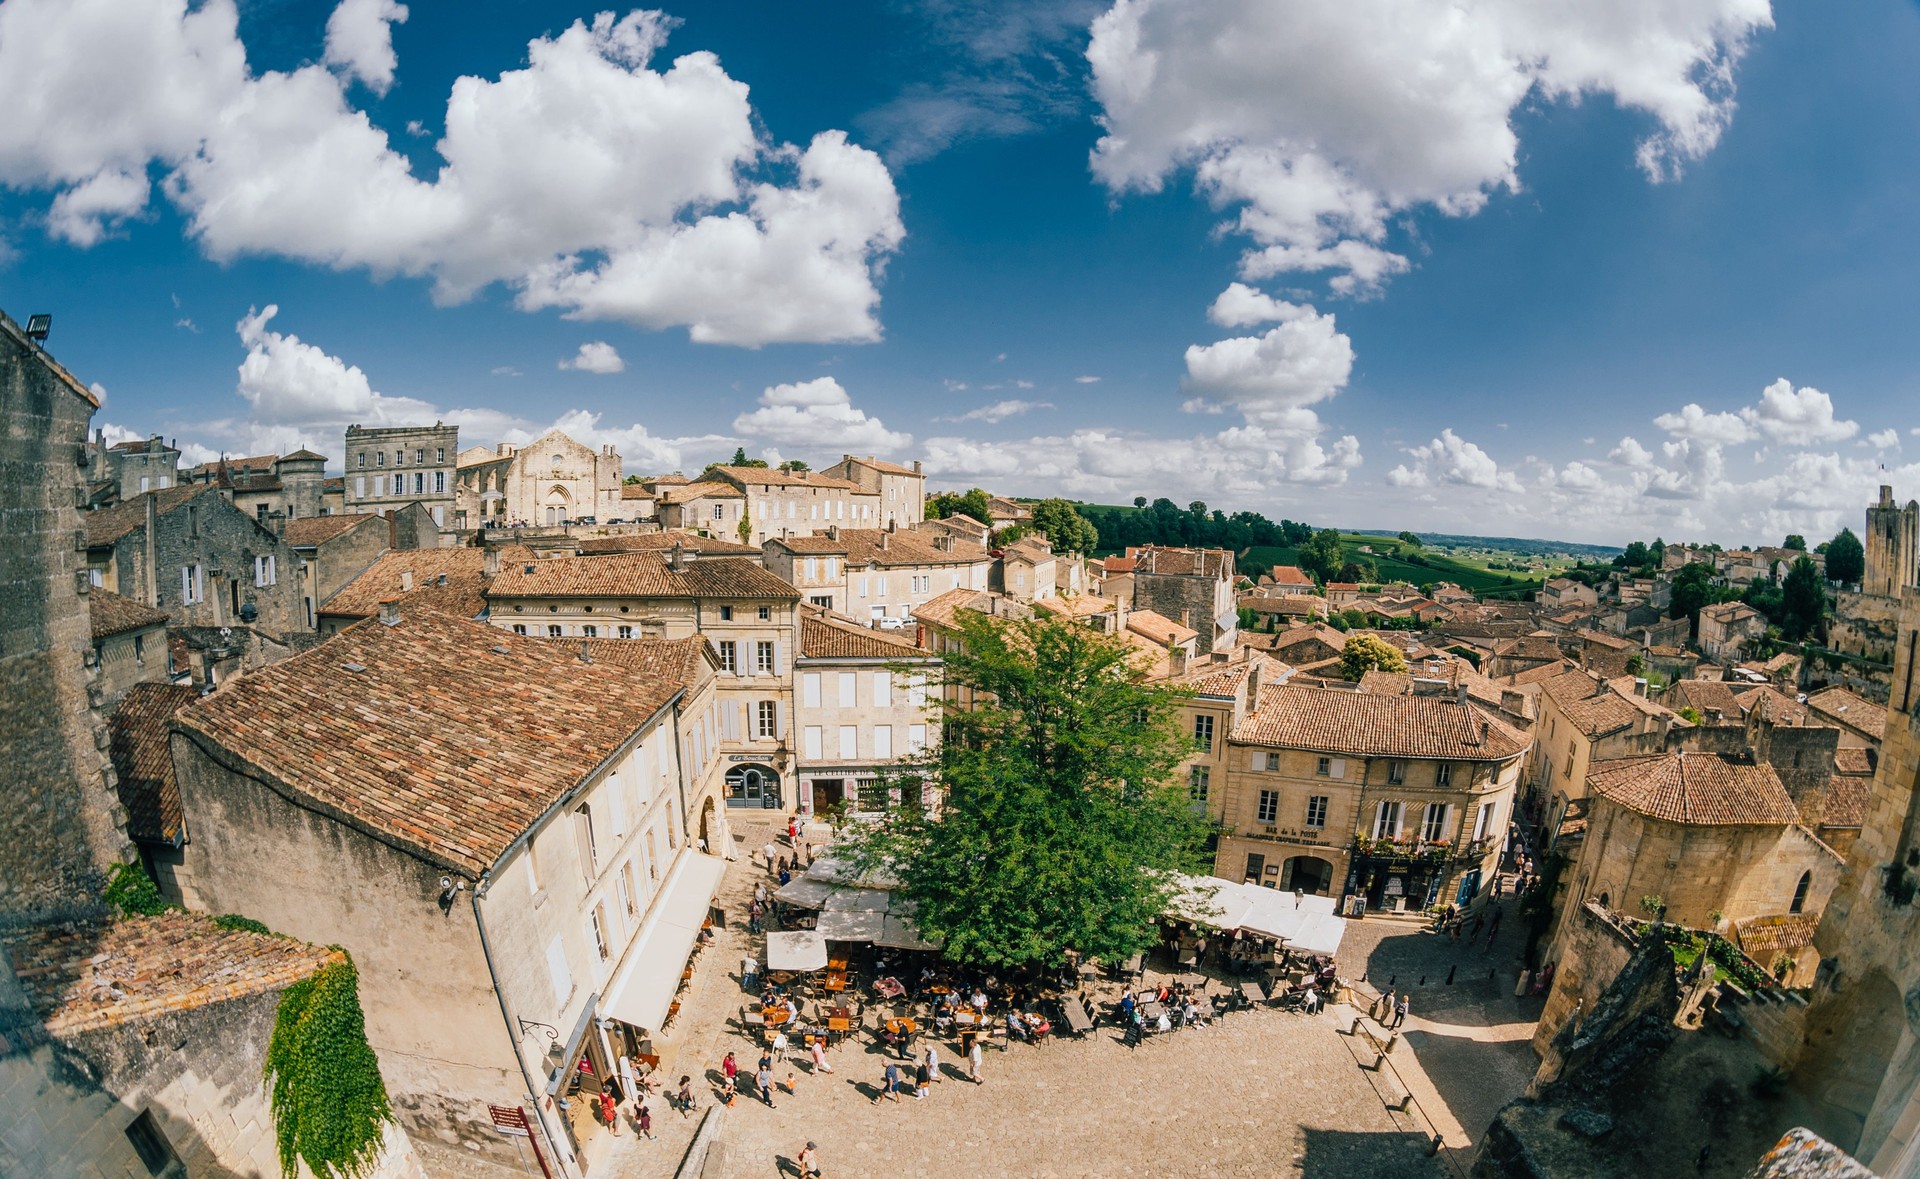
[780, 977]
[837, 964]
[939, 990]
[836, 980]
[1251, 992]
[839, 1013]
[901, 1027]
[775, 1016]
[967, 1019]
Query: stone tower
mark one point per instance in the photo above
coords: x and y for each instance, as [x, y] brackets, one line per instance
[1893, 546]
[62, 823]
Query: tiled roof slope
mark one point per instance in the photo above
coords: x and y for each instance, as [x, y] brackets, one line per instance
[141, 760]
[1842, 705]
[660, 542]
[1332, 721]
[114, 614]
[86, 976]
[825, 635]
[1182, 562]
[1698, 789]
[734, 577]
[453, 739]
[629, 575]
[110, 524]
[675, 659]
[774, 477]
[464, 592]
[311, 530]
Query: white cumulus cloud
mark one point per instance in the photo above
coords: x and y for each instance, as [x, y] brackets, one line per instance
[595, 357]
[1275, 375]
[1797, 416]
[1000, 411]
[1319, 120]
[1452, 460]
[817, 415]
[1886, 439]
[589, 181]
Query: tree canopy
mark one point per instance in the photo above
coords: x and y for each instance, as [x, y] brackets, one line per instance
[1061, 814]
[1846, 558]
[1696, 585]
[1321, 556]
[1163, 522]
[1365, 653]
[1065, 529]
[1794, 541]
[1803, 600]
[1410, 539]
[975, 503]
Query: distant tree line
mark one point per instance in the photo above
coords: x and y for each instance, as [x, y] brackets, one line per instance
[1163, 522]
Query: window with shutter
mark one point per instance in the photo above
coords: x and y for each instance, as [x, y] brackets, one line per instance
[882, 742]
[810, 689]
[815, 742]
[849, 742]
[849, 689]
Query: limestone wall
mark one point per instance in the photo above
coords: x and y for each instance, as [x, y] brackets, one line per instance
[1587, 955]
[1864, 625]
[62, 823]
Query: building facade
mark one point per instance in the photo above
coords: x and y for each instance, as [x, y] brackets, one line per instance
[863, 706]
[549, 481]
[877, 575]
[1399, 801]
[389, 467]
[902, 491]
[1193, 587]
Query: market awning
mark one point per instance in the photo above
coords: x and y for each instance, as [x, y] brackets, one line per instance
[1273, 913]
[901, 933]
[801, 949]
[1209, 901]
[850, 925]
[804, 893]
[644, 985]
[859, 900]
[1318, 934]
[837, 871]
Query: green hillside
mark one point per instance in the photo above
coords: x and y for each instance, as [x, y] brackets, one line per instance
[1425, 566]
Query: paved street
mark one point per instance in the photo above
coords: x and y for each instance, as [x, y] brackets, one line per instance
[1262, 1093]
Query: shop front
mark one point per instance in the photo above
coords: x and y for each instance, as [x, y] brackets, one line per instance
[754, 786]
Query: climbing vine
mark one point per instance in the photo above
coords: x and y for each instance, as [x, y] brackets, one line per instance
[329, 1102]
[234, 921]
[132, 892]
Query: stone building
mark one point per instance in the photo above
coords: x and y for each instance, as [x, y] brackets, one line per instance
[551, 480]
[333, 550]
[1401, 801]
[391, 466]
[770, 502]
[58, 831]
[902, 491]
[1584, 718]
[270, 486]
[1892, 544]
[1861, 722]
[129, 643]
[745, 612]
[862, 709]
[191, 553]
[1193, 587]
[126, 469]
[1026, 570]
[1715, 836]
[1727, 627]
[452, 580]
[693, 545]
[521, 893]
[878, 575]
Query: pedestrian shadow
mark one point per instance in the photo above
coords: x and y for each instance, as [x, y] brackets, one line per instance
[782, 1165]
[953, 1070]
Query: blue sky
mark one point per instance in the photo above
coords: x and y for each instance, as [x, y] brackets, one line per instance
[1519, 273]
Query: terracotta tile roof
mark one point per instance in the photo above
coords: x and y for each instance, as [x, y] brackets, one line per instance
[443, 736]
[676, 660]
[1701, 695]
[110, 524]
[1332, 721]
[940, 610]
[1114, 566]
[1698, 789]
[1780, 709]
[904, 546]
[881, 465]
[1784, 931]
[1182, 562]
[111, 614]
[773, 477]
[1032, 549]
[826, 635]
[316, 530]
[303, 454]
[85, 976]
[615, 575]
[1846, 708]
[1290, 575]
[1293, 605]
[635, 491]
[1077, 606]
[733, 577]
[1847, 795]
[137, 743]
[705, 489]
[464, 593]
[1208, 679]
[1343, 586]
[1543, 649]
[1856, 760]
[661, 542]
[1159, 628]
[1728, 613]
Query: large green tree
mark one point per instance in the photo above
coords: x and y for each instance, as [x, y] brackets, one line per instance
[1365, 653]
[1803, 599]
[1846, 559]
[1064, 527]
[975, 502]
[1697, 584]
[1321, 555]
[1062, 816]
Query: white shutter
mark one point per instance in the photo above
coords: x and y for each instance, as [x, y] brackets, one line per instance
[186, 584]
[815, 743]
[779, 719]
[1258, 761]
[557, 970]
[1339, 767]
[849, 689]
[883, 689]
[779, 657]
[810, 689]
[882, 742]
[849, 742]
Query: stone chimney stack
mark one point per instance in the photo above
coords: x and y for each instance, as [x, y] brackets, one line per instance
[677, 557]
[490, 564]
[916, 467]
[1177, 657]
[150, 546]
[884, 538]
[406, 581]
[390, 612]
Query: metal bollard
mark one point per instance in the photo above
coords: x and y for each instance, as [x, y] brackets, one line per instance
[1392, 1039]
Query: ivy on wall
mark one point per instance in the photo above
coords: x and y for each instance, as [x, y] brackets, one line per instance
[132, 893]
[329, 1102]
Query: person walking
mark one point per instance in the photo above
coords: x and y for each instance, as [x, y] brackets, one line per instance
[686, 1095]
[1400, 1012]
[730, 1073]
[643, 1118]
[610, 1113]
[770, 852]
[819, 1050]
[809, 1161]
[921, 1079]
[890, 1081]
[933, 1061]
[1383, 1009]
[973, 1063]
[765, 1079]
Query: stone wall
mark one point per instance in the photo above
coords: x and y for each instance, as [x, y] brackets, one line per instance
[431, 1012]
[224, 541]
[1864, 625]
[1587, 955]
[129, 658]
[62, 823]
[195, 1073]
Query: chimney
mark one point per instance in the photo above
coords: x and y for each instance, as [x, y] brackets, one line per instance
[916, 466]
[884, 538]
[943, 543]
[1460, 693]
[152, 550]
[677, 557]
[1177, 657]
[390, 612]
[1640, 688]
[833, 532]
[490, 564]
[1886, 495]
[892, 524]
[585, 655]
